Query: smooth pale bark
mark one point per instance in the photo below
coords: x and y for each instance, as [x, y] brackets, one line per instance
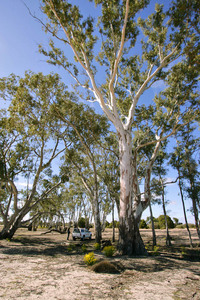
[168, 239]
[152, 225]
[113, 220]
[130, 241]
[184, 210]
[10, 228]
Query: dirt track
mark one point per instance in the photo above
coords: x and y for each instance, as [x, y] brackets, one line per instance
[35, 266]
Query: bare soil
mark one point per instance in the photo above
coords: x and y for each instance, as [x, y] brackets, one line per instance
[38, 266]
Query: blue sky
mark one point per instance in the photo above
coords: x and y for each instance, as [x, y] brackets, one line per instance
[19, 38]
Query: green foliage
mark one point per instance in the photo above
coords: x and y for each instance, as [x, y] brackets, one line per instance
[71, 247]
[84, 248]
[97, 246]
[109, 251]
[180, 226]
[143, 224]
[156, 250]
[183, 251]
[107, 224]
[116, 224]
[176, 221]
[191, 225]
[161, 221]
[89, 259]
[81, 222]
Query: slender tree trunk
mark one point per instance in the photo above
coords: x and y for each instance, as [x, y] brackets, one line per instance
[184, 211]
[196, 217]
[195, 209]
[168, 239]
[113, 220]
[152, 225]
[97, 220]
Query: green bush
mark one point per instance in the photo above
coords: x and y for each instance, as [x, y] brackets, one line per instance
[191, 226]
[97, 246]
[180, 226]
[107, 224]
[89, 259]
[81, 222]
[156, 225]
[109, 251]
[116, 223]
[161, 221]
[143, 224]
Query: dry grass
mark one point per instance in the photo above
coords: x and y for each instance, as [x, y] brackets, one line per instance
[37, 266]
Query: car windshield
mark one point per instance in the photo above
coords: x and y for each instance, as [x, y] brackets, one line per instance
[76, 230]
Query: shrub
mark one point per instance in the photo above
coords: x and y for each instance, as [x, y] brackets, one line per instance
[143, 224]
[161, 220]
[97, 246]
[107, 224]
[191, 225]
[116, 224]
[81, 222]
[109, 251]
[89, 259]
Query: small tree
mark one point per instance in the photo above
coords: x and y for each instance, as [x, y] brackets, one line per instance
[26, 132]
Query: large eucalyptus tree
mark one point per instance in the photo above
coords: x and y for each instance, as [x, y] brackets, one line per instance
[116, 60]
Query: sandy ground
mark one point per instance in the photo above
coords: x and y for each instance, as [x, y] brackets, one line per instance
[37, 266]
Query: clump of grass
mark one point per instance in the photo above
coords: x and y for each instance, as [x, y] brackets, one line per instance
[71, 247]
[156, 250]
[84, 248]
[105, 267]
[89, 259]
[109, 251]
[148, 247]
[97, 246]
[183, 251]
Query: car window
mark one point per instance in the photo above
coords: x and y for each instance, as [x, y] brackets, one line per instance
[76, 230]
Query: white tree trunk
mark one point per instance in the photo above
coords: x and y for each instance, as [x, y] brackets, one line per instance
[130, 241]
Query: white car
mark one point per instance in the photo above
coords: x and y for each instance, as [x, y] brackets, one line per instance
[81, 233]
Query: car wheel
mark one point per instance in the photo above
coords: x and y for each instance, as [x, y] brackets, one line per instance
[74, 238]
